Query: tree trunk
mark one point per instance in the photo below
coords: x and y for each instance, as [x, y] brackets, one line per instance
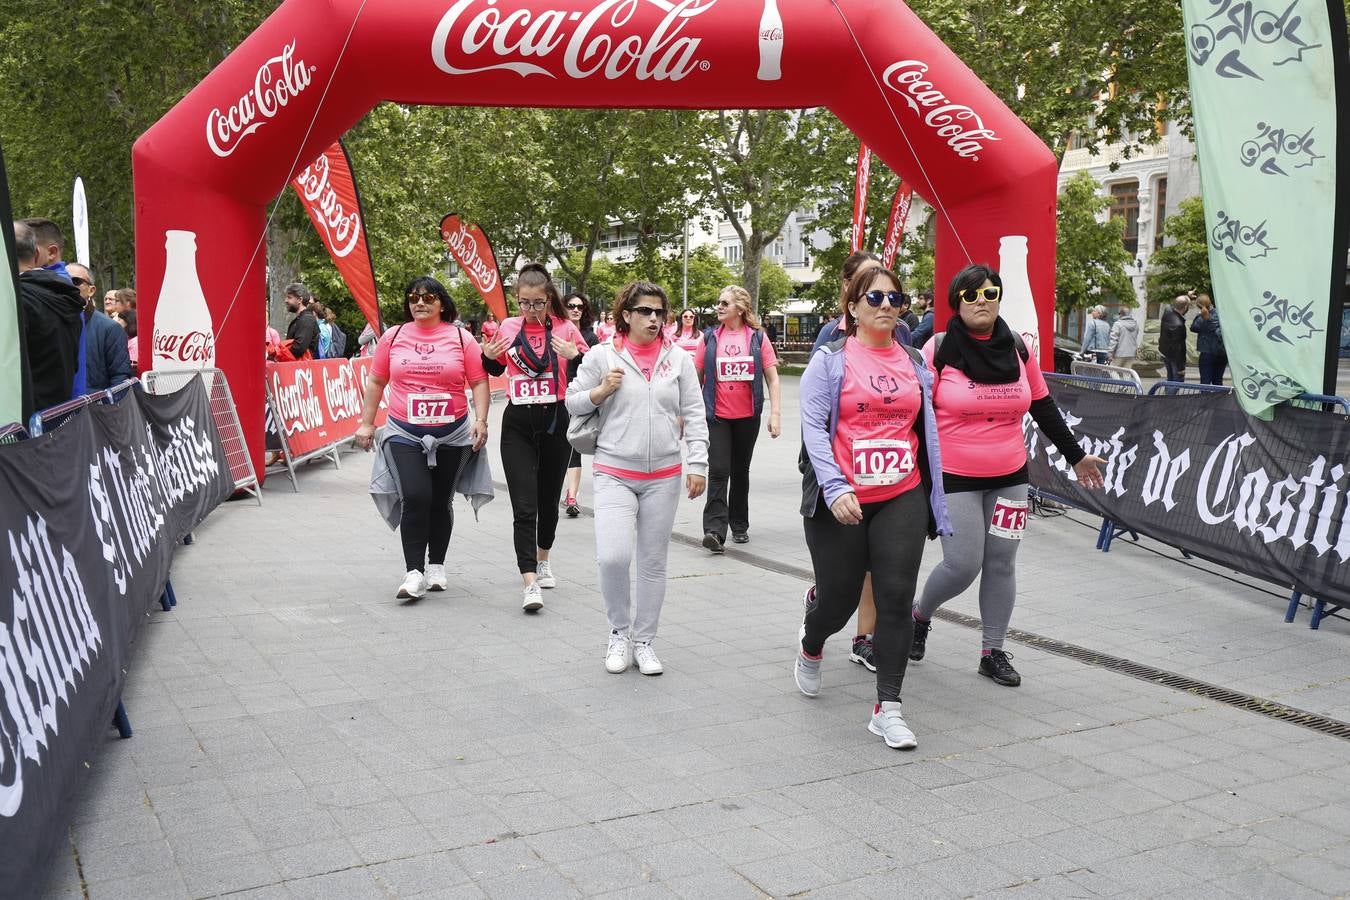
[282, 269]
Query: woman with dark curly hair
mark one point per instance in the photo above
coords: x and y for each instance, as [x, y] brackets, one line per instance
[580, 314]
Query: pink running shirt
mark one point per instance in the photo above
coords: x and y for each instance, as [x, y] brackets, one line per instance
[735, 392]
[980, 425]
[875, 444]
[428, 371]
[535, 335]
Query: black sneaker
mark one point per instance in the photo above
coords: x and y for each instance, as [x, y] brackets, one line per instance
[712, 542]
[997, 667]
[920, 644]
[740, 537]
[862, 652]
[572, 509]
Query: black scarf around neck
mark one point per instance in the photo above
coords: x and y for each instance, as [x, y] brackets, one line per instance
[529, 362]
[994, 361]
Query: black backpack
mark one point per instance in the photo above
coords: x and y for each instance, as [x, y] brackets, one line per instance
[338, 343]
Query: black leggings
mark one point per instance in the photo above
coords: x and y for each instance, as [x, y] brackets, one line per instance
[731, 445]
[428, 516]
[536, 464]
[889, 544]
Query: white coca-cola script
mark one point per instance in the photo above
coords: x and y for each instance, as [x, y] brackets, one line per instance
[343, 394]
[341, 229]
[475, 36]
[195, 348]
[464, 246]
[961, 126]
[297, 403]
[279, 81]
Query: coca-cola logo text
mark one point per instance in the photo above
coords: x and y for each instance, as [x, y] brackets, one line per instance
[342, 230]
[961, 126]
[279, 80]
[602, 41]
[196, 348]
[464, 246]
[343, 394]
[296, 402]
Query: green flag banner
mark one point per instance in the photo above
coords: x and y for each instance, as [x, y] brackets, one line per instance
[1269, 93]
[12, 367]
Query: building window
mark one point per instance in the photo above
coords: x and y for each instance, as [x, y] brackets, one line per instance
[778, 250]
[1125, 205]
[1160, 213]
[731, 253]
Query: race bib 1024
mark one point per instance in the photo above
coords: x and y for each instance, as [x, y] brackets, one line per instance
[880, 462]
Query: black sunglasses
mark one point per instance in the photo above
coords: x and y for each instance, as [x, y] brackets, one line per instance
[897, 298]
[647, 311]
[80, 282]
[575, 306]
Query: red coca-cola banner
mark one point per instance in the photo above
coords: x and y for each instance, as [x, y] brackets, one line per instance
[862, 180]
[473, 251]
[317, 403]
[361, 366]
[327, 188]
[895, 228]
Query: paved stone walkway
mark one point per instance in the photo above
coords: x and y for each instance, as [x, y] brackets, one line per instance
[300, 733]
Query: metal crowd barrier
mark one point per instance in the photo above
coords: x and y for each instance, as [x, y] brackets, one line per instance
[1097, 383]
[226, 417]
[1184, 388]
[1101, 370]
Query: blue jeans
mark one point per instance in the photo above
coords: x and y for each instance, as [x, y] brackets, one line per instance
[1212, 366]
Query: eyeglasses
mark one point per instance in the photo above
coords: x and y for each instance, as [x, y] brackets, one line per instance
[722, 304]
[425, 299]
[897, 298]
[647, 311]
[533, 304]
[975, 295]
[575, 306]
[80, 282]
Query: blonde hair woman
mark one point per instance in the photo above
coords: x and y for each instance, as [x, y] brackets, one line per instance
[736, 364]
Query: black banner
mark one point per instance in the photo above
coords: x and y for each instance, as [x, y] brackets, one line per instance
[1196, 472]
[89, 514]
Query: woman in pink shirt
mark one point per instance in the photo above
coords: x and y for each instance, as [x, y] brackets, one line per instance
[987, 383]
[687, 335]
[737, 363]
[871, 489]
[579, 312]
[533, 350]
[427, 363]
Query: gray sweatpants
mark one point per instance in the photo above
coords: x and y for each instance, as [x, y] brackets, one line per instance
[634, 515]
[980, 546]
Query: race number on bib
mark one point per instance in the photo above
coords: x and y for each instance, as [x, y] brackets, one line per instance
[430, 409]
[877, 463]
[1009, 519]
[526, 391]
[736, 368]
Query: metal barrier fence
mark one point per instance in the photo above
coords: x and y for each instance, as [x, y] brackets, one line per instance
[1099, 370]
[1185, 388]
[1096, 383]
[224, 413]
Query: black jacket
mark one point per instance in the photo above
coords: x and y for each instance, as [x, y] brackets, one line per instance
[51, 309]
[106, 362]
[1172, 336]
[304, 333]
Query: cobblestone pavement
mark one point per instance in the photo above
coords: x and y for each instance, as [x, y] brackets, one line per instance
[300, 733]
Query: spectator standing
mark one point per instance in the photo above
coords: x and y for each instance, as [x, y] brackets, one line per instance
[924, 330]
[52, 323]
[1172, 338]
[51, 245]
[321, 314]
[1097, 335]
[303, 332]
[107, 363]
[1213, 356]
[1124, 341]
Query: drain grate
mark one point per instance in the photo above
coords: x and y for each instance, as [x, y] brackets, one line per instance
[1249, 702]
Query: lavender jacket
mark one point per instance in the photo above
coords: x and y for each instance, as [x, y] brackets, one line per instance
[821, 385]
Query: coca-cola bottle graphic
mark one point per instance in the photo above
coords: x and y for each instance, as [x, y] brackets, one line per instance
[770, 42]
[184, 337]
[1018, 308]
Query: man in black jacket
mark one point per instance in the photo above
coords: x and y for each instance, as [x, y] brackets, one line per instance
[1172, 338]
[106, 363]
[51, 309]
[303, 332]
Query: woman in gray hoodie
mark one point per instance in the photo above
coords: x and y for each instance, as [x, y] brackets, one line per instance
[643, 385]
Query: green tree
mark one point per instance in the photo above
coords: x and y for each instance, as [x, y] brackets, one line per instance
[708, 274]
[1183, 263]
[1090, 256]
[775, 287]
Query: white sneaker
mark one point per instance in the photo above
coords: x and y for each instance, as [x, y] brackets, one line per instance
[544, 575]
[435, 578]
[413, 586]
[888, 722]
[534, 599]
[619, 656]
[645, 657]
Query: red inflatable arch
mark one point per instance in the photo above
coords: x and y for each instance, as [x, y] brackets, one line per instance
[315, 67]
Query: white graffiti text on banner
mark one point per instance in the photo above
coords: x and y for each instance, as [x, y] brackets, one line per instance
[278, 81]
[187, 462]
[342, 229]
[601, 41]
[297, 402]
[128, 511]
[962, 128]
[464, 246]
[45, 651]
